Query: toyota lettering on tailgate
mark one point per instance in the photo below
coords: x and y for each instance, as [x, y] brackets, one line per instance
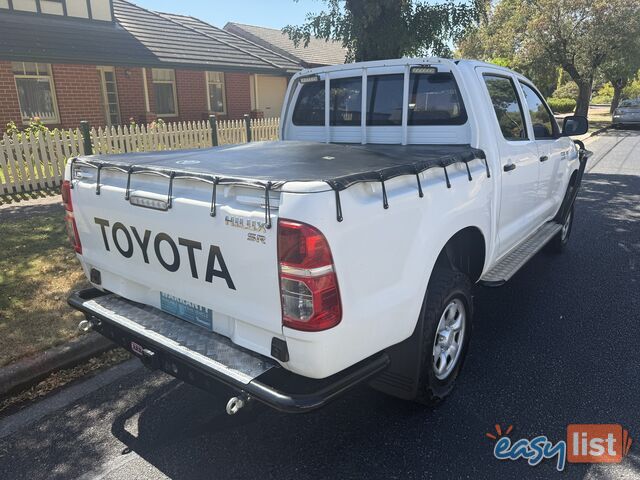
[127, 241]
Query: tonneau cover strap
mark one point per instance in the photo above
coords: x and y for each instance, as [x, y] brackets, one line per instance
[127, 191]
[170, 193]
[267, 205]
[420, 193]
[385, 200]
[98, 179]
[446, 176]
[216, 180]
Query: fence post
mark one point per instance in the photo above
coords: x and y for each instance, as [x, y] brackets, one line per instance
[86, 137]
[214, 130]
[247, 123]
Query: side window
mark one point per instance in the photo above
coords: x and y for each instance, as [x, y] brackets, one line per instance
[507, 107]
[544, 125]
[309, 111]
[384, 99]
[434, 99]
[346, 101]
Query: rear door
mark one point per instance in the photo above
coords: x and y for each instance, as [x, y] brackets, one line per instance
[518, 157]
[552, 152]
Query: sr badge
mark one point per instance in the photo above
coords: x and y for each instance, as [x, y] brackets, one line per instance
[254, 227]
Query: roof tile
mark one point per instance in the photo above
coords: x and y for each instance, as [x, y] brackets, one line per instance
[318, 52]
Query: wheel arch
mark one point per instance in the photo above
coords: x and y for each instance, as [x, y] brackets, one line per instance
[466, 252]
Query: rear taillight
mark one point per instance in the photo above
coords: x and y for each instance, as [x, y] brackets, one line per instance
[308, 283]
[69, 219]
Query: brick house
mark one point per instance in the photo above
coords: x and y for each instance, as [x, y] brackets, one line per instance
[109, 61]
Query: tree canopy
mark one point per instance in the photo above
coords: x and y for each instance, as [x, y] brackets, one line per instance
[380, 29]
[537, 36]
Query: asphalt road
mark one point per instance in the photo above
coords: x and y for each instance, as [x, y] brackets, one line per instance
[558, 344]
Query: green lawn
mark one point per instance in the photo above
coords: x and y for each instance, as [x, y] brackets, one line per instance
[38, 270]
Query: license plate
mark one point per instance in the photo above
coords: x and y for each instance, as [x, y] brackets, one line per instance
[189, 311]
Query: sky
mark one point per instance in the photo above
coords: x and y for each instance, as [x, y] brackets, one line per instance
[266, 13]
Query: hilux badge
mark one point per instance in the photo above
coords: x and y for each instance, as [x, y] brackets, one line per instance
[245, 224]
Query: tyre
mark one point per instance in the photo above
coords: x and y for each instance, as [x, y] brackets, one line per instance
[446, 319]
[559, 243]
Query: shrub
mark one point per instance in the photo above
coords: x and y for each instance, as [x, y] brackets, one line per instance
[568, 90]
[35, 127]
[604, 94]
[632, 90]
[562, 105]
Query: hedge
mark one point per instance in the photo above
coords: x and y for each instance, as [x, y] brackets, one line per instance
[562, 105]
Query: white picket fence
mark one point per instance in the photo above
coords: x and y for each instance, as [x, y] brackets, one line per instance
[33, 163]
[30, 163]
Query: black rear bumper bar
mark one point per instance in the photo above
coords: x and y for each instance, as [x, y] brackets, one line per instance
[277, 387]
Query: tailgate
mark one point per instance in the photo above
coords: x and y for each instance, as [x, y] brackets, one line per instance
[220, 272]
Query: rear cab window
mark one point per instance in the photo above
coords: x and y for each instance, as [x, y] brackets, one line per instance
[434, 99]
[309, 109]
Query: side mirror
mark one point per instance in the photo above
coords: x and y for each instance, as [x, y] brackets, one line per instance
[574, 125]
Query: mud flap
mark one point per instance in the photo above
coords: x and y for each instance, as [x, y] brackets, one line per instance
[572, 191]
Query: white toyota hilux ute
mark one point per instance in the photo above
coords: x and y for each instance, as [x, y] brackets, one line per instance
[343, 253]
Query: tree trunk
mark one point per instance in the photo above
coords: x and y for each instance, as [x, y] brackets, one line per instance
[584, 96]
[617, 92]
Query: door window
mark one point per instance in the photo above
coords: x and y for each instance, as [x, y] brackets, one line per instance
[544, 125]
[506, 105]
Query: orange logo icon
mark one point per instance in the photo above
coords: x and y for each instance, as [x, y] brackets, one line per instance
[600, 443]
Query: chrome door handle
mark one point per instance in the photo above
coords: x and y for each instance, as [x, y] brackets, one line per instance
[509, 166]
[544, 158]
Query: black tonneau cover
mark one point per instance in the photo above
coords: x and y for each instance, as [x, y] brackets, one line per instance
[270, 165]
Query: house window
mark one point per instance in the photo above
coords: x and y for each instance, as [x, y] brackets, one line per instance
[164, 88]
[215, 92]
[36, 92]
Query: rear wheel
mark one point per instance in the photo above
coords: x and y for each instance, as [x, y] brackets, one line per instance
[446, 319]
[559, 242]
